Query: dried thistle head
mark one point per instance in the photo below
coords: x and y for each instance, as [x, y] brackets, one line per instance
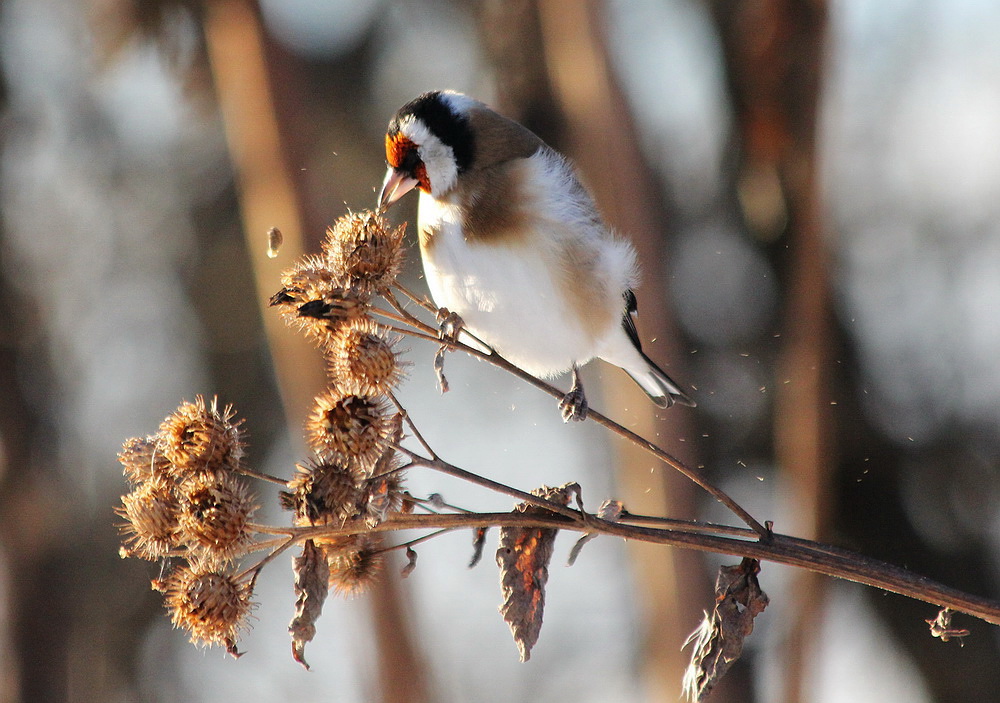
[324, 491]
[152, 512]
[199, 438]
[361, 359]
[350, 426]
[317, 300]
[210, 605]
[215, 513]
[365, 251]
[141, 459]
[356, 566]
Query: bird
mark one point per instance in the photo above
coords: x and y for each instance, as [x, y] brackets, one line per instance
[513, 244]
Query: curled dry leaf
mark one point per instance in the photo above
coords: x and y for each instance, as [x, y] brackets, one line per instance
[718, 641]
[478, 542]
[411, 562]
[942, 629]
[312, 576]
[439, 368]
[523, 557]
[610, 510]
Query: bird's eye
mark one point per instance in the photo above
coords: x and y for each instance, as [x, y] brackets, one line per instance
[410, 162]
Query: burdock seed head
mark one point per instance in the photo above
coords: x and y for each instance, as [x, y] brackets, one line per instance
[365, 251]
[362, 360]
[318, 300]
[215, 514]
[141, 459]
[324, 491]
[350, 426]
[151, 512]
[210, 605]
[354, 568]
[198, 438]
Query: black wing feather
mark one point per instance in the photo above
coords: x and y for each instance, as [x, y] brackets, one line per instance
[628, 319]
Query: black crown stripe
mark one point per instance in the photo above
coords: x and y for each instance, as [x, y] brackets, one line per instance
[453, 130]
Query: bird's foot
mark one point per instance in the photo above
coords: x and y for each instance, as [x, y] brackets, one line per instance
[573, 405]
[450, 324]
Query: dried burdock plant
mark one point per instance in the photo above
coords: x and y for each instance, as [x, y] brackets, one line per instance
[316, 300]
[718, 641]
[523, 557]
[198, 438]
[361, 359]
[141, 459]
[210, 605]
[356, 565]
[942, 629]
[352, 427]
[152, 514]
[364, 252]
[215, 515]
[324, 491]
[189, 506]
[312, 577]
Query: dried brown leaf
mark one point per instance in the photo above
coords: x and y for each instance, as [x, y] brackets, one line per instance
[439, 368]
[942, 629]
[312, 576]
[523, 557]
[411, 562]
[718, 641]
[478, 542]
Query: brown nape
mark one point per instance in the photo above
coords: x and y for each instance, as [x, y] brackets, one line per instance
[499, 139]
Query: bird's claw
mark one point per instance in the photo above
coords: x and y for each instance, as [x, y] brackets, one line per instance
[573, 405]
[450, 324]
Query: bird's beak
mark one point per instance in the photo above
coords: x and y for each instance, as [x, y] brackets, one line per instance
[395, 186]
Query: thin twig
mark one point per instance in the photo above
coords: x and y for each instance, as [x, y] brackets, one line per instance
[444, 467]
[492, 357]
[416, 541]
[413, 427]
[263, 476]
[271, 529]
[256, 568]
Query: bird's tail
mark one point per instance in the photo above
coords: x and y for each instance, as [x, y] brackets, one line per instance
[660, 388]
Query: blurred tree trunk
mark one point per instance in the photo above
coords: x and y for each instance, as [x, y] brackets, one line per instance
[774, 56]
[572, 99]
[26, 640]
[249, 72]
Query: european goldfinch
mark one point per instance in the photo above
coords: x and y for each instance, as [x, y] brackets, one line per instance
[513, 244]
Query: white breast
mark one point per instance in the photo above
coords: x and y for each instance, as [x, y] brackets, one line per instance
[512, 296]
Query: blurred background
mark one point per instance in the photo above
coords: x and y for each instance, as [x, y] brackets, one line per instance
[814, 190]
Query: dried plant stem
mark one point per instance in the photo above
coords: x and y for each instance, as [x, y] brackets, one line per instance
[444, 467]
[414, 542]
[281, 546]
[673, 462]
[263, 476]
[271, 529]
[781, 549]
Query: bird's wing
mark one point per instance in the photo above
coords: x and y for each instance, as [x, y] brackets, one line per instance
[628, 319]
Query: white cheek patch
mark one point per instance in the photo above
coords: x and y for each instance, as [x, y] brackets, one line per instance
[438, 157]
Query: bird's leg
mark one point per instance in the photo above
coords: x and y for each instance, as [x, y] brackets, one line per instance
[573, 405]
[450, 324]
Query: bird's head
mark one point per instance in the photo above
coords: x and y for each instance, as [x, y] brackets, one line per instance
[428, 144]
